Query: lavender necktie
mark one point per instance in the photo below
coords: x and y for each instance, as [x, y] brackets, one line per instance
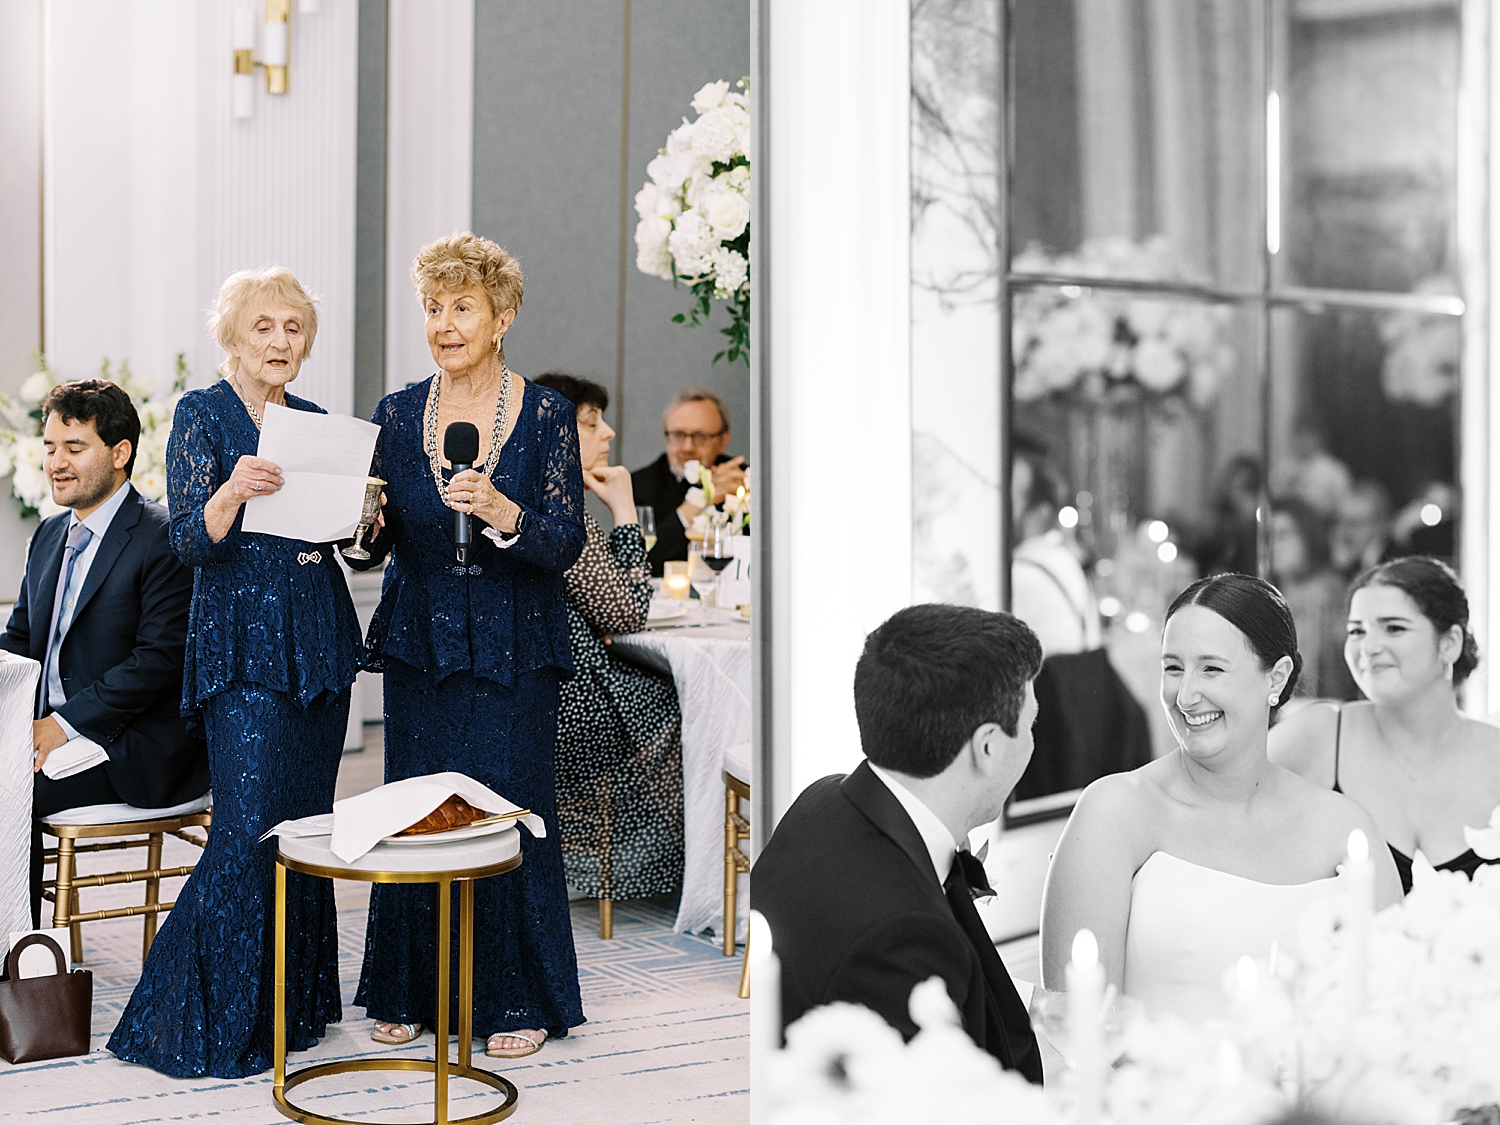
[78, 540]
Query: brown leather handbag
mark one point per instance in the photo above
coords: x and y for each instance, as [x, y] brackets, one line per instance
[44, 1017]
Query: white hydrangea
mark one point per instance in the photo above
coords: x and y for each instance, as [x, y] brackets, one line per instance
[690, 242]
[652, 255]
[730, 268]
[36, 387]
[720, 134]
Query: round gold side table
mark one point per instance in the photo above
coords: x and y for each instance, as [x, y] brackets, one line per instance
[443, 864]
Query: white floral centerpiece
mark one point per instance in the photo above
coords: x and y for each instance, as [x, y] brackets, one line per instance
[21, 449]
[695, 212]
[1099, 345]
[734, 509]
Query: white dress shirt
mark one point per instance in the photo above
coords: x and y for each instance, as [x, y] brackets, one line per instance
[98, 522]
[941, 849]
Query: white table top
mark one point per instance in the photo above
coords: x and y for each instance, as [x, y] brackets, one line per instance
[462, 855]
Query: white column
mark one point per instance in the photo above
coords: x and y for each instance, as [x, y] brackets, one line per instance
[429, 160]
[839, 363]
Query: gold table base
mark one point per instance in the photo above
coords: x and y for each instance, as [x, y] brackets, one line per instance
[439, 1066]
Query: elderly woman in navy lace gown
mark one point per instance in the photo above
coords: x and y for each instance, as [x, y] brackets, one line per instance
[273, 645]
[473, 655]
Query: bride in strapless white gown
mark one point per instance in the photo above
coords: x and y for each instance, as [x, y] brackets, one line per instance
[1211, 852]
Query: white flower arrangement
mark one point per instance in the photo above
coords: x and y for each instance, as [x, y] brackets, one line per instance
[21, 449]
[1105, 344]
[1423, 1053]
[1422, 353]
[695, 212]
[733, 509]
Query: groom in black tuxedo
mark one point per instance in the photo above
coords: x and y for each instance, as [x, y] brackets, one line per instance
[104, 609]
[862, 883]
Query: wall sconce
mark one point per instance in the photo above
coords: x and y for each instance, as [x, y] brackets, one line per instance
[243, 82]
[275, 54]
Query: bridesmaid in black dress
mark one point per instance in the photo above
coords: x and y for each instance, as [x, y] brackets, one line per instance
[1422, 768]
[474, 655]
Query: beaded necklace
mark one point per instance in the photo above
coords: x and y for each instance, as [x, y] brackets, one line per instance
[429, 429]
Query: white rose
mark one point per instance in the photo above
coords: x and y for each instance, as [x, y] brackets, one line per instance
[150, 484]
[29, 452]
[680, 139]
[690, 242]
[710, 96]
[1158, 365]
[29, 485]
[728, 212]
[651, 253]
[7, 459]
[669, 171]
[691, 469]
[696, 497]
[36, 386]
[646, 199]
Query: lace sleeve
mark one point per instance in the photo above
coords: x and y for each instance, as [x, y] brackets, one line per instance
[381, 545]
[192, 479]
[553, 537]
[608, 584]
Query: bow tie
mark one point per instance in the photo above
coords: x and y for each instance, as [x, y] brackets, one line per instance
[973, 874]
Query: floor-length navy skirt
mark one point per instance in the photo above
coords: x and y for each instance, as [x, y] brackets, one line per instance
[525, 970]
[203, 1005]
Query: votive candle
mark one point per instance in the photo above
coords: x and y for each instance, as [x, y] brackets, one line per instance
[765, 1013]
[1085, 1027]
[1360, 908]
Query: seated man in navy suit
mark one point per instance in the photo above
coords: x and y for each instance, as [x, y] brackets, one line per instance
[104, 609]
[863, 884]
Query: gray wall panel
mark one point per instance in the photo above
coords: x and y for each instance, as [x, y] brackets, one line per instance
[549, 80]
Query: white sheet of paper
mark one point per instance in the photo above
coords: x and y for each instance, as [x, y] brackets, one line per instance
[324, 460]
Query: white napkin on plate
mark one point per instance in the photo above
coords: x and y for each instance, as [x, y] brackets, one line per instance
[74, 756]
[359, 823]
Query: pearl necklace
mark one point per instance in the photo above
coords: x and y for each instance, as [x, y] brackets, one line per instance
[429, 429]
[254, 414]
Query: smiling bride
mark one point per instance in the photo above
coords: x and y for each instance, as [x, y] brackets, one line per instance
[1211, 852]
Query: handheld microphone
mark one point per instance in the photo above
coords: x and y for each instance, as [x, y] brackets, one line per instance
[461, 448]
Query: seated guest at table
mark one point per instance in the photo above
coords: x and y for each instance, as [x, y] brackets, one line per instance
[619, 732]
[862, 883]
[1421, 767]
[1211, 852]
[1049, 589]
[103, 584]
[474, 656]
[273, 646]
[696, 427]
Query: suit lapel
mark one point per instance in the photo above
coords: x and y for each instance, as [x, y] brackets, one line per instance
[109, 550]
[46, 553]
[870, 796]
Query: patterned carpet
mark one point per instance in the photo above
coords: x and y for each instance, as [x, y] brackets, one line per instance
[667, 1041]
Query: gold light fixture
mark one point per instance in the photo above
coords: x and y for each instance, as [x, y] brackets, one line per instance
[243, 88]
[276, 45]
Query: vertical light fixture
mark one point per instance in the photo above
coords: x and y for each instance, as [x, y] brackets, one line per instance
[1273, 172]
[275, 50]
[243, 82]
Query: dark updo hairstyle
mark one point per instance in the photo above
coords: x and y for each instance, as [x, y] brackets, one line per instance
[1257, 609]
[1437, 593]
[577, 390]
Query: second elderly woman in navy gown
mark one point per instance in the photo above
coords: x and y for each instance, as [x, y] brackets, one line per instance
[273, 645]
[473, 655]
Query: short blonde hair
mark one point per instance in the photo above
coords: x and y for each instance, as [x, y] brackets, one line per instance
[452, 264]
[272, 284]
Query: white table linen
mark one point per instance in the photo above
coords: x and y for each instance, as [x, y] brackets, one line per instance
[711, 668]
[19, 676]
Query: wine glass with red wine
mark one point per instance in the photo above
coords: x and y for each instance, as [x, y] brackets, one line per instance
[717, 550]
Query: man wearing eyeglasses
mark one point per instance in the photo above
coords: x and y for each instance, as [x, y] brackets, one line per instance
[696, 427]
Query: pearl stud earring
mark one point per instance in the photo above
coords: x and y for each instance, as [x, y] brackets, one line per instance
[1271, 699]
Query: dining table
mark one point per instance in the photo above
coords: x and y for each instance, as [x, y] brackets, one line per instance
[706, 651]
[18, 685]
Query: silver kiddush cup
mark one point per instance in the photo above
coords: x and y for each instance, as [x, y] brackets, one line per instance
[367, 518]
